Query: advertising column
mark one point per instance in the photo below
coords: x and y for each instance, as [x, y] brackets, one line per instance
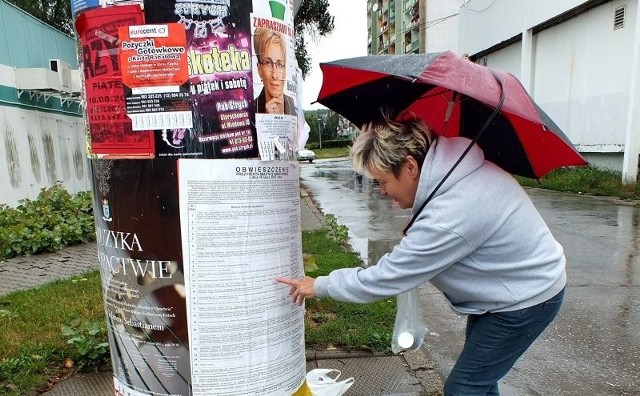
[192, 126]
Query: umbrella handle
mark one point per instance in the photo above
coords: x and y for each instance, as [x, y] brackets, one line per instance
[447, 116]
[464, 154]
[450, 107]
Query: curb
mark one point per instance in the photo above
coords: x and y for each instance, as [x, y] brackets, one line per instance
[338, 354]
[603, 198]
[307, 199]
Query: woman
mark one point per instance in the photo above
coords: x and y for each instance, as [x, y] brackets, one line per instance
[271, 50]
[479, 240]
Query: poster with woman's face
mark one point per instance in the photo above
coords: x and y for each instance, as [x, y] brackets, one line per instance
[275, 83]
[274, 57]
[271, 64]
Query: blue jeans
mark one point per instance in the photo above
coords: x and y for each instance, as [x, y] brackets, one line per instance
[494, 342]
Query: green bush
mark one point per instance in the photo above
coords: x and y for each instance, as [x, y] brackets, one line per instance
[53, 220]
[339, 232]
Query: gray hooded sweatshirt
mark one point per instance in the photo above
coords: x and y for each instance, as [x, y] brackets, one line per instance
[480, 241]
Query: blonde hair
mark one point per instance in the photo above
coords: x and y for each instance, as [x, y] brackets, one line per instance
[384, 145]
[263, 37]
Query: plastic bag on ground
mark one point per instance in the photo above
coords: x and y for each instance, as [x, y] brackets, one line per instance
[322, 384]
[409, 329]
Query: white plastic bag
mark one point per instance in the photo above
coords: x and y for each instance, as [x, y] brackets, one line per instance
[321, 384]
[409, 329]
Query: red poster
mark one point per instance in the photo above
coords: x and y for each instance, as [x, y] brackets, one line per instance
[109, 127]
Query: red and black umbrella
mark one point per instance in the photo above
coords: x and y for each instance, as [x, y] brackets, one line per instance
[455, 97]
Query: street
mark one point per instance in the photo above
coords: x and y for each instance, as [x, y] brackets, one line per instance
[592, 348]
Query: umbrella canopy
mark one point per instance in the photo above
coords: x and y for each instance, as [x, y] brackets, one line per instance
[454, 97]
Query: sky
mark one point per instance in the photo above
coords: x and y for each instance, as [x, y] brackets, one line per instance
[348, 39]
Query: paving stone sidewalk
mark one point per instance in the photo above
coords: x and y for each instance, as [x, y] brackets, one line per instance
[27, 272]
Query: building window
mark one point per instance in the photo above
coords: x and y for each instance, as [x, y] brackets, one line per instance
[618, 17]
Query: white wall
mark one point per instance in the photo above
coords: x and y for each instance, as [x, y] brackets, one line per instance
[441, 34]
[489, 22]
[582, 76]
[507, 58]
[484, 23]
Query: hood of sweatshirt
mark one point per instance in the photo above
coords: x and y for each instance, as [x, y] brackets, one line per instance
[441, 157]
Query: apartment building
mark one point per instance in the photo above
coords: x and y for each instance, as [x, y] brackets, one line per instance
[412, 26]
[395, 26]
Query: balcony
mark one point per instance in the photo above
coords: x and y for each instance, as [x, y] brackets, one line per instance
[409, 4]
[411, 46]
[383, 27]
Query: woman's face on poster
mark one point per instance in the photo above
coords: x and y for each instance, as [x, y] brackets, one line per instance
[272, 70]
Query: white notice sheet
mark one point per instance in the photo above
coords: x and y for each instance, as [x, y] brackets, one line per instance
[240, 223]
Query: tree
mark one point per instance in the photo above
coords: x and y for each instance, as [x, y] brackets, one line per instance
[313, 20]
[56, 13]
[331, 126]
[313, 120]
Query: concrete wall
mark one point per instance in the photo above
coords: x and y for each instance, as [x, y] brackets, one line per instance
[37, 149]
[489, 22]
[507, 58]
[441, 26]
[582, 77]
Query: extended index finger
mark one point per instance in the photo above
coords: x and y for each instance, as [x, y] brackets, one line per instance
[288, 281]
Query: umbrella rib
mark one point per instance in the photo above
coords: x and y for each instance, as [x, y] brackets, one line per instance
[462, 97]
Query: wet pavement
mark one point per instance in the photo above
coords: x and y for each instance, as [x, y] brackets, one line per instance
[593, 347]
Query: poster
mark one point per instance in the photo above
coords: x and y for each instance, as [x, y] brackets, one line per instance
[275, 136]
[153, 59]
[276, 79]
[220, 78]
[240, 230]
[142, 275]
[109, 127]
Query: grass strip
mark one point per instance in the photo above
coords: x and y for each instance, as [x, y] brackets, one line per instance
[334, 152]
[332, 324]
[584, 180]
[32, 347]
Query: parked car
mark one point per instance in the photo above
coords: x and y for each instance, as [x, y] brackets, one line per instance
[306, 155]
